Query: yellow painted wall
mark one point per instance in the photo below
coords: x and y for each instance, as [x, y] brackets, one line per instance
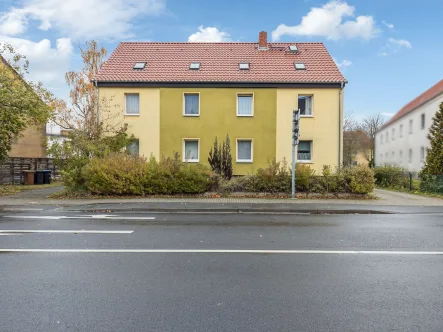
[145, 126]
[218, 117]
[322, 128]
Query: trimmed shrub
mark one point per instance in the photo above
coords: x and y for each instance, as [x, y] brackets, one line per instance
[431, 183]
[304, 176]
[274, 178]
[391, 177]
[238, 184]
[120, 174]
[356, 179]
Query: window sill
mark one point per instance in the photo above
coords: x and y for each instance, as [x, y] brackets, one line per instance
[245, 115]
[304, 161]
[244, 161]
[306, 116]
[191, 161]
[191, 115]
[127, 114]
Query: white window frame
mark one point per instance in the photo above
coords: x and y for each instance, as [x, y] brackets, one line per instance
[245, 94]
[312, 105]
[411, 126]
[252, 151]
[312, 153]
[422, 153]
[410, 155]
[401, 130]
[393, 134]
[184, 103]
[132, 114]
[184, 151]
[422, 121]
[382, 137]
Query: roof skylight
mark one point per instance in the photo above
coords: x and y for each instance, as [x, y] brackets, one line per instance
[194, 65]
[139, 65]
[243, 65]
[299, 66]
[293, 48]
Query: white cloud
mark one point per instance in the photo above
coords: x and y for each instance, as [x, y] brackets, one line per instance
[344, 64]
[393, 46]
[389, 25]
[209, 34]
[328, 21]
[400, 42]
[46, 64]
[86, 19]
[387, 114]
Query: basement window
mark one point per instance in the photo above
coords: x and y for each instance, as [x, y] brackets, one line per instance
[139, 65]
[194, 65]
[244, 65]
[299, 66]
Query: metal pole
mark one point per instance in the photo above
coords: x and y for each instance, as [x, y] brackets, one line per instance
[293, 168]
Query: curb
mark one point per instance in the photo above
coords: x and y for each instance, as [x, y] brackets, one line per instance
[239, 211]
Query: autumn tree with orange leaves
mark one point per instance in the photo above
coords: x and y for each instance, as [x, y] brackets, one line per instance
[90, 133]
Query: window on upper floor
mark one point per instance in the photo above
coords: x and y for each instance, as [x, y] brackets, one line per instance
[401, 130]
[387, 137]
[393, 134]
[410, 126]
[422, 153]
[422, 118]
[304, 151]
[381, 139]
[191, 105]
[305, 105]
[191, 150]
[410, 156]
[244, 150]
[132, 106]
[245, 104]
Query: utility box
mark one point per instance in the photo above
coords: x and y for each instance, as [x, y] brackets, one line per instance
[28, 177]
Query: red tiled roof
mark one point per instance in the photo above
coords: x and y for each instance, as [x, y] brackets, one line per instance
[169, 62]
[426, 96]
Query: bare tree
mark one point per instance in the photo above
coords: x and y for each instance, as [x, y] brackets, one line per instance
[370, 126]
[354, 139]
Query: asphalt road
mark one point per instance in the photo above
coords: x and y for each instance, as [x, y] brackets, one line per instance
[362, 288]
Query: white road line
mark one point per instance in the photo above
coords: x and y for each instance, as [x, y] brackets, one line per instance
[82, 231]
[21, 209]
[100, 216]
[222, 251]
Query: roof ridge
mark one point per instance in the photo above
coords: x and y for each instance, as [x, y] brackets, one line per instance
[398, 116]
[217, 43]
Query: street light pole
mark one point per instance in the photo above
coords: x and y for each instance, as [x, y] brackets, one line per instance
[295, 135]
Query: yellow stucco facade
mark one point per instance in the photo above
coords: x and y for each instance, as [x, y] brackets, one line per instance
[145, 126]
[322, 128]
[161, 126]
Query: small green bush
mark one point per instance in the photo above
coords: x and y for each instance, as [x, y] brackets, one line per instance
[391, 177]
[304, 176]
[274, 178]
[431, 183]
[121, 174]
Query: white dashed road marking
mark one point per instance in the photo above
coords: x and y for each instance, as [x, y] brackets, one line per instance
[75, 231]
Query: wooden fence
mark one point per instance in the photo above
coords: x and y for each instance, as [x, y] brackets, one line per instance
[11, 171]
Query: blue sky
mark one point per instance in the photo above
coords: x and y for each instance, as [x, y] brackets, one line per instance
[389, 50]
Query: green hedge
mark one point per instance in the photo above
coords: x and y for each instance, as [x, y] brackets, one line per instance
[120, 174]
[391, 177]
[276, 178]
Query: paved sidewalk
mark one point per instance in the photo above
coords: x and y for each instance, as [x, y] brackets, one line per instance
[384, 198]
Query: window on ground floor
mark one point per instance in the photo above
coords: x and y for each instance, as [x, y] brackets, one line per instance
[133, 148]
[304, 151]
[422, 153]
[410, 156]
[191, 150]
[244, 150]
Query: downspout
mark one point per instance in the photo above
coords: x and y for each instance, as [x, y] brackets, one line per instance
[340, 122]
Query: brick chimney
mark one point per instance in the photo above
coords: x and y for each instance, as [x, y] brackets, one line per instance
[263, 40]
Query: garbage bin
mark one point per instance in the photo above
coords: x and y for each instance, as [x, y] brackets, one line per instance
[28, 177]
[39, 177]
[46, 177]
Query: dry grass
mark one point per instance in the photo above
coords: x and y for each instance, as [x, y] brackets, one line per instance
[7, 190]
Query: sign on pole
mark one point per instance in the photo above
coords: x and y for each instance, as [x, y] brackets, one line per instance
[295, 136]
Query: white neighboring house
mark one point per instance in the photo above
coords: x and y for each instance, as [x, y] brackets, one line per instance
[403, 141]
